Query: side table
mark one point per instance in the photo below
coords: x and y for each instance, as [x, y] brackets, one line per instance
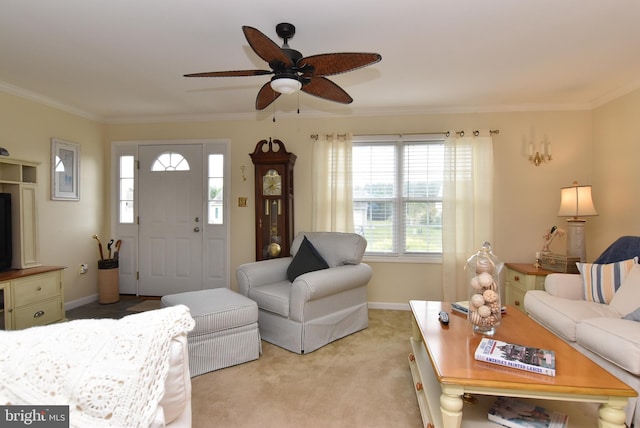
[520, 278]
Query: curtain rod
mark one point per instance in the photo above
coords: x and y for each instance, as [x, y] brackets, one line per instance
[447, 133]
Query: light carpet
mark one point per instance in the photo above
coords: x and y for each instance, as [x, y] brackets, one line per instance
[362, 380]
[147, 305]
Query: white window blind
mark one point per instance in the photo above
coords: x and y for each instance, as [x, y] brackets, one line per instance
[397, 193]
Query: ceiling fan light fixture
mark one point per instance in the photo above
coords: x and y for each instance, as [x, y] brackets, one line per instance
[285, 85]
[293, 72]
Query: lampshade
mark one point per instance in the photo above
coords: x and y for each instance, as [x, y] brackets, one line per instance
[285, 85]
[575, 201]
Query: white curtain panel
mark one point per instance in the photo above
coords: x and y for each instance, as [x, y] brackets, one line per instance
[332, 197]
[467, 208]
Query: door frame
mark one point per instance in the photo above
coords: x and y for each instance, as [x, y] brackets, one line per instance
[128, 271]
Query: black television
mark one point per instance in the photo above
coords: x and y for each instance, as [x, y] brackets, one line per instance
[6, 243]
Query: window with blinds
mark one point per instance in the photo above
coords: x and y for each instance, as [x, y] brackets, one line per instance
[397, 193]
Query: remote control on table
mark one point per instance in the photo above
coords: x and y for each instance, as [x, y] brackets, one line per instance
[444, 317]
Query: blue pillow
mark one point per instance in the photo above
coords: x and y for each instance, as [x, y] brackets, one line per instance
[633, 316]
[307, 259]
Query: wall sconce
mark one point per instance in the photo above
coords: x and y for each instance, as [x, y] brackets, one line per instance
[543, 155]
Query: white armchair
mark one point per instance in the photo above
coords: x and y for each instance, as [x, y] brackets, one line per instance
[317, 307]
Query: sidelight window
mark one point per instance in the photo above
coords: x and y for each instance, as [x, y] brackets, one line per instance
[127, 183]
[215, 186]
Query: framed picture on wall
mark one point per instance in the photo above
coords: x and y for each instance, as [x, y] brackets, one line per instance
[65, 170]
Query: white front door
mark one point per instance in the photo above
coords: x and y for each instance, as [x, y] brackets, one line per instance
[172, 218]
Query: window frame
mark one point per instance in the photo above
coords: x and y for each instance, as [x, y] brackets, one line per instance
[400, 200]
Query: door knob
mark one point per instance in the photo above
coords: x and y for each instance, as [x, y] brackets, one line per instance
[196, 229]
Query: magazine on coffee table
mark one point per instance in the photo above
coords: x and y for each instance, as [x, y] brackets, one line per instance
[536, 360]
[518, 413]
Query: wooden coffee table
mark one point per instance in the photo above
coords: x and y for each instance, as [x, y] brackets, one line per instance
[446, 373]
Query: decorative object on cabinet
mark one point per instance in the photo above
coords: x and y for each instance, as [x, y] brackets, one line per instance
[273, 199]
[549, 236]
[31, 297]
[520, 278]
[19, 179]
[560, 263]
[65, 170]
[4, 152]
[576, 202]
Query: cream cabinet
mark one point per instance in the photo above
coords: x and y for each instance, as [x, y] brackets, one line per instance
[18, 178]
[31, 297]
[6, 320]
[520, 278]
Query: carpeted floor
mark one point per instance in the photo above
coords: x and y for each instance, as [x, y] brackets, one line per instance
[146, 305]
[362, 380]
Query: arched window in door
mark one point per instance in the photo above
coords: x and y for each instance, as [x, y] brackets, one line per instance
[170, 161]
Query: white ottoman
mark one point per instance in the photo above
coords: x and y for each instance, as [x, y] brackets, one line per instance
[226, 331]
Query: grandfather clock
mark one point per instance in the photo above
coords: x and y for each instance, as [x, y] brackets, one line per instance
[273, 199]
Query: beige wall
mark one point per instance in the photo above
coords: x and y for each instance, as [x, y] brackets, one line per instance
[593, 147]
[66, 228]
[527, 197]
[616, 176]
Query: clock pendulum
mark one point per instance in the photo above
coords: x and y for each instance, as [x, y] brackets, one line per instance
[274, 248]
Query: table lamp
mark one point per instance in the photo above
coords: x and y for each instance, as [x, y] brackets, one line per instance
[576, 202]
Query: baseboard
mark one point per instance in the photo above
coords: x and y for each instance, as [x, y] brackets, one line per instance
[80, 302]
[389, 306]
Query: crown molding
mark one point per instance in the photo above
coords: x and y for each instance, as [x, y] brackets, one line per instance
[40, 99]
[620, 92]
[507, 108]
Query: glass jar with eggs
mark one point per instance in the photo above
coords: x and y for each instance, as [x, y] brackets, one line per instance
[485, 307]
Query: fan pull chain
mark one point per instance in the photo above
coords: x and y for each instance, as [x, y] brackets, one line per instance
[273, 106]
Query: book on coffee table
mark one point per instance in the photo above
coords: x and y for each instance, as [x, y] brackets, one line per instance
[536, 360]
[462, 306]
[518, 413]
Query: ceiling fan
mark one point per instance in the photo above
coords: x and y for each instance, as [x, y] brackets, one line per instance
[291, 71]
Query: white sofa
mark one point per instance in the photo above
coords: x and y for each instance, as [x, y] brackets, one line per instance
[598, 330]
[317, 307]
[128, 372]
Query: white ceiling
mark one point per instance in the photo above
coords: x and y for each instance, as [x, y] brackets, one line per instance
[123, 60]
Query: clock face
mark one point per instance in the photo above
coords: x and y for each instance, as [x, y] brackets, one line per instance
[272, 183]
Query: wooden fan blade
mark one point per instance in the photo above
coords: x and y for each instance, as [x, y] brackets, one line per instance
[265, 47]
[230, 73]
[266, 96]
[336, 63]
[324, 88]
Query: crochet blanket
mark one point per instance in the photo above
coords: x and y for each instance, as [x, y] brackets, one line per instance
[109, 372]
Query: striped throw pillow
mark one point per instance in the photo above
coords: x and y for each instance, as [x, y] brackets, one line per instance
[601, 281]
